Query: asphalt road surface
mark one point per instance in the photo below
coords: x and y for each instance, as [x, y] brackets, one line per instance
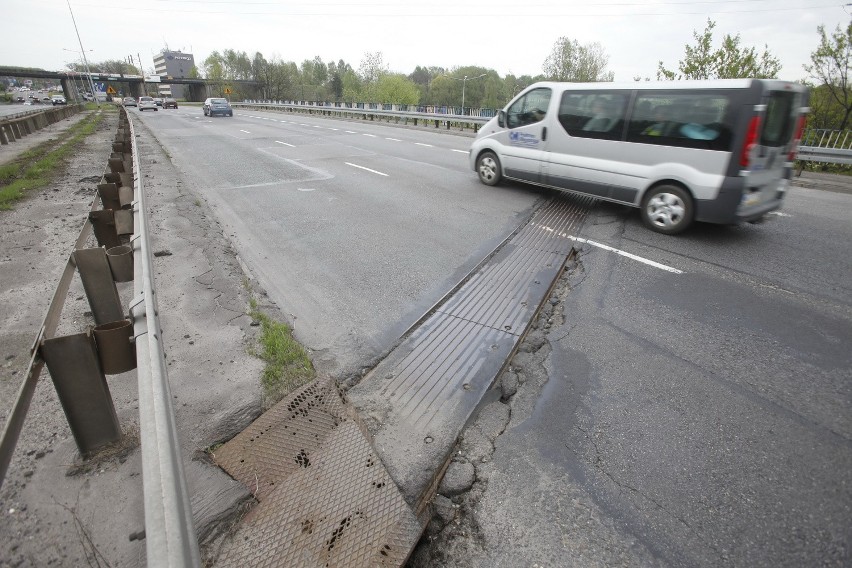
[354, 229]
[701, 417]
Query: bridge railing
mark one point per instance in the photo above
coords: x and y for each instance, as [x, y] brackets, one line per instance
[826, 146]
[415, 114]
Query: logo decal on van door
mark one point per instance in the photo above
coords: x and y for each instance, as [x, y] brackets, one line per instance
[523, 139]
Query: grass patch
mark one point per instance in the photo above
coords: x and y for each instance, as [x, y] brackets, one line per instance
[287, 364]
[36, 168]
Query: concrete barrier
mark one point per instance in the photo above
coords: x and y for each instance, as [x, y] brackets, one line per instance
[15, 127]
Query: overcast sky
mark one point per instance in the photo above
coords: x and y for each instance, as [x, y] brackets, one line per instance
[509, 36]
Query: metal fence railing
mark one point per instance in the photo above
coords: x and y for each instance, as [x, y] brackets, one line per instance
[79, 362]
[427, 115]
[826, 146]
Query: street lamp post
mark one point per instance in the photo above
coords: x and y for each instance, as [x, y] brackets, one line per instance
[78, 77]
[83, 53]
[464, 82]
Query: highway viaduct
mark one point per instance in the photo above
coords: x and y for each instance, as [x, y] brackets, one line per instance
[199, 89]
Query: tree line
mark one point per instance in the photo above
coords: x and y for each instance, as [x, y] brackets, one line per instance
[569, 60]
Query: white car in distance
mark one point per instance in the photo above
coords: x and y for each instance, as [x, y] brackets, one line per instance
[147, 103]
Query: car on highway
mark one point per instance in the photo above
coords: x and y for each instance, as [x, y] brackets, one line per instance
[147, 103]
[129, 102]
[169, 103]
[158, 101]
[58, 100]
[47, 100]
[213, 106]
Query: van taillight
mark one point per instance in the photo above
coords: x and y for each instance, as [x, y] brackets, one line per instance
[750, 141]
[800, 129]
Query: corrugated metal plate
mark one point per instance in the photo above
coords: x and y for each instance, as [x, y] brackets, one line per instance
[424, 392]
[284, 438]
[342, 510]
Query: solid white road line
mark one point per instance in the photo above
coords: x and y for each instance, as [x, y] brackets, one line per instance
[370, 135]
[363, 168]
[280, 142]
[422, 144]
[627, 254]
[394, 139]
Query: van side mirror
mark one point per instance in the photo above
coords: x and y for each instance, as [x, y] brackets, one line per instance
[501, 118]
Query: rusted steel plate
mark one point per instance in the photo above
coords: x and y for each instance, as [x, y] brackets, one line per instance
[325, 498]
[284, 438]
[421, 395]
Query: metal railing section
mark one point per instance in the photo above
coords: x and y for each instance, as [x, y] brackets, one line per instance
[375, 110]
[423, 109]
[78, 362]
[169, 529]
[827, 146]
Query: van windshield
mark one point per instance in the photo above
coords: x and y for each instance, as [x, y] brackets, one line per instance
[779, 122]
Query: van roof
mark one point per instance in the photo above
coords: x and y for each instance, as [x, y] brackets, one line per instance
[673, 85]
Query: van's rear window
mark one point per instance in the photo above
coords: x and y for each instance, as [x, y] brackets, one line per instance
[779, 121]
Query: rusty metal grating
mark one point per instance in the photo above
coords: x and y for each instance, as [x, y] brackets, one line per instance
[342, 510]
[283, 439]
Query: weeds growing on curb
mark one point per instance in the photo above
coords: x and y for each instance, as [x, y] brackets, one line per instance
[36, 167]
[287, 364]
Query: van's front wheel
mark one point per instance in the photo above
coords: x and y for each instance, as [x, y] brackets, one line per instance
[488, 168]
[667, 209]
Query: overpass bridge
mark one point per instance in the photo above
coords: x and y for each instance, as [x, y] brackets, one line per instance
[199, 89]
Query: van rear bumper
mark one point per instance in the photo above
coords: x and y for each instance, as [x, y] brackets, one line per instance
[728, 207]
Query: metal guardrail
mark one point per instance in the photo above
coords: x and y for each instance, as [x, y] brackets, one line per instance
[78, 363]
[364, 112]
[441, 110]
[826, 146]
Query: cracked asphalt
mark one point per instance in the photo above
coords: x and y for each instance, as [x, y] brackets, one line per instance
[699, 419]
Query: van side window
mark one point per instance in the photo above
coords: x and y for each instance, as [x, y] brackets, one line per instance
[690, 120]
[593, 114]
[529, 109]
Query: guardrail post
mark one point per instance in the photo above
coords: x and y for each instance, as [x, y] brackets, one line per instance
[82, 389]
[109, 195]
[93, 266]
[103, 222]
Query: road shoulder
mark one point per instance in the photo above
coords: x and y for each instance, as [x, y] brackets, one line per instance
[56, 509]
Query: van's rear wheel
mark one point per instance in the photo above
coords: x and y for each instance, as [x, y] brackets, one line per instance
[667, 209]
[488, 168]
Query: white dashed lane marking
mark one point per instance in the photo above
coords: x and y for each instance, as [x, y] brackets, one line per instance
[366, 169]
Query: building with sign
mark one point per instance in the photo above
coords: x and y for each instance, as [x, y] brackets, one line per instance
[173, 64]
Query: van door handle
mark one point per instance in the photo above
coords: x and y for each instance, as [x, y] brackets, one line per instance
[544, 134]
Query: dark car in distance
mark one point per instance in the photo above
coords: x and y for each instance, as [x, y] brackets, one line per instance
[169, 103]
[213, 106]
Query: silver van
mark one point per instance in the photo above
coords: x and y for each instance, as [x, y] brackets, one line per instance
[719, 151]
